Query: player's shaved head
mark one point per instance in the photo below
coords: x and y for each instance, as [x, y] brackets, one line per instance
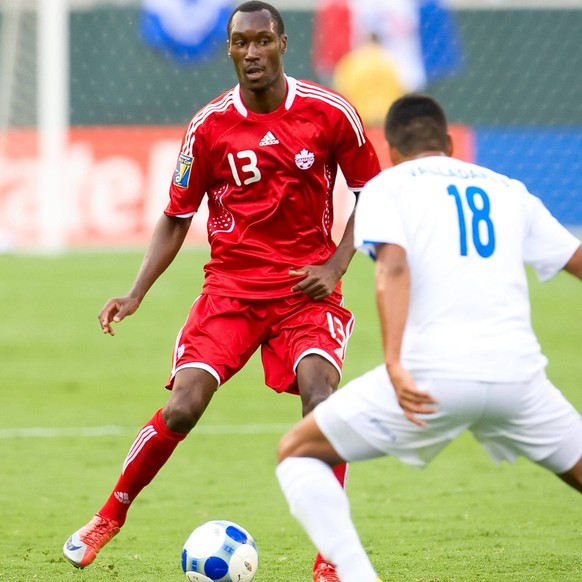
[416, 123]
[257, 6]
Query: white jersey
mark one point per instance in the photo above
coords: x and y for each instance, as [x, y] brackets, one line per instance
[467, 233]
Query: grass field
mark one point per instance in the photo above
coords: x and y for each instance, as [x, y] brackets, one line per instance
[73, 399]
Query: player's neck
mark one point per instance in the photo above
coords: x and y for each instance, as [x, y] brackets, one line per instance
[397, 157]
[265, 100]
[427, 154]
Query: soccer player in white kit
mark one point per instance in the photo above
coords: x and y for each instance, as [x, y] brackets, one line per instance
[450, 240]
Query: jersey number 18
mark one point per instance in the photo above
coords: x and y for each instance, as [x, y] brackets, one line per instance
[482, 231]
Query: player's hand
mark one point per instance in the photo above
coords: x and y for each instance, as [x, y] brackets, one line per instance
[115, 310]
[412, 400]
[318, 281]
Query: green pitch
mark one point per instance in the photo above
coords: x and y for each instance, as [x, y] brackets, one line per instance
[72, 401]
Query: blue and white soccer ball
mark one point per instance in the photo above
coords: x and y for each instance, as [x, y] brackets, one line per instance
[220, 551]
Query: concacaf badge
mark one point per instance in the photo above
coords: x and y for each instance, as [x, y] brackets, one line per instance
[183, 169]
[304, 159]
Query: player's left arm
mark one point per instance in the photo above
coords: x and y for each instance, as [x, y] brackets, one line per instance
[392, 298]
[319, 281]
[359, 164]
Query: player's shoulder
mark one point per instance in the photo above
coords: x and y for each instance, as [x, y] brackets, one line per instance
[308, 85]
[400, 173]
[388, 182]
[328, 107]
[220, 106]
[318, 96]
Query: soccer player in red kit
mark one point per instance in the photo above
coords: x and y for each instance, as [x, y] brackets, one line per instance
[266, 155]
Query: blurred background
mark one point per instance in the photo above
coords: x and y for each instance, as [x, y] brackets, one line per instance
[95, 96]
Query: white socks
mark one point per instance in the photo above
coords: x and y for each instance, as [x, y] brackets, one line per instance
[320, 505]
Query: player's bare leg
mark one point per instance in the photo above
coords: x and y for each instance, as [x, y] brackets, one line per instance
[319, 503]
[573, 477]
[192, 391]
[317, 379]
[191, 394]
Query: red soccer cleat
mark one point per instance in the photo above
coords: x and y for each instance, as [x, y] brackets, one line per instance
[324, 572]
[82, 547]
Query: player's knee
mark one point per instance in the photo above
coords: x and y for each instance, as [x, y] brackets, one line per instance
[183, 410]
[180, 418]
[313, 395]
[573, 477]
[286, 447]
[316, 391]
[192, 391]
[317, 380]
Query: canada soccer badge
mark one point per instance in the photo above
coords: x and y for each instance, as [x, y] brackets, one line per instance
[304, 159]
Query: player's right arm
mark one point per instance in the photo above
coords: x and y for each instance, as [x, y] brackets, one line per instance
[166, 241]
[574, 265]
[392, 297]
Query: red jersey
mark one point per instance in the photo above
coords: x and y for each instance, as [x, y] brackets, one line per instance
[269, 179]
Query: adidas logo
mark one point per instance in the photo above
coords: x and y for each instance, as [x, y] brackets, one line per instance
[269, 139]
[122, 497]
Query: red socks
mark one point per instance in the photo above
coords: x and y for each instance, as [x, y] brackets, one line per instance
[151, 449]
[341, 474]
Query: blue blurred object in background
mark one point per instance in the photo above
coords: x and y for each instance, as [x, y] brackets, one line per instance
[187, 31]
[440, 40]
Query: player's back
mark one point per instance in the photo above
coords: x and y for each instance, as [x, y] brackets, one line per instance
[467, 232]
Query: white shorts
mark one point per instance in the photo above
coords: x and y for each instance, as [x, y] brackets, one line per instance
[533, 419]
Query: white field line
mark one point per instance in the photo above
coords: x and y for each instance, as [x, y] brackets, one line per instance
[101, 431]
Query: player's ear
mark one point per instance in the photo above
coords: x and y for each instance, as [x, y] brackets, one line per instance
[228, 48]
[395, 156]
[283, 44]
[450, 147]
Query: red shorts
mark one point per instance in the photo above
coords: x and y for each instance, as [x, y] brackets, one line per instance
[221, 334]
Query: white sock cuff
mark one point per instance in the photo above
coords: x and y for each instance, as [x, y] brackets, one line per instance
[297, 473]
[301, 465]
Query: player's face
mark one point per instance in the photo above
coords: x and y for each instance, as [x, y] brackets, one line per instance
[256, 50]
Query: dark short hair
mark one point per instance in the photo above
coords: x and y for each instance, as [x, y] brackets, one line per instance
[416, 123]
[257, 6]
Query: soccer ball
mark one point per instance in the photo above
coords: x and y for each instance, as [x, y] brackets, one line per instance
[220, 551]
